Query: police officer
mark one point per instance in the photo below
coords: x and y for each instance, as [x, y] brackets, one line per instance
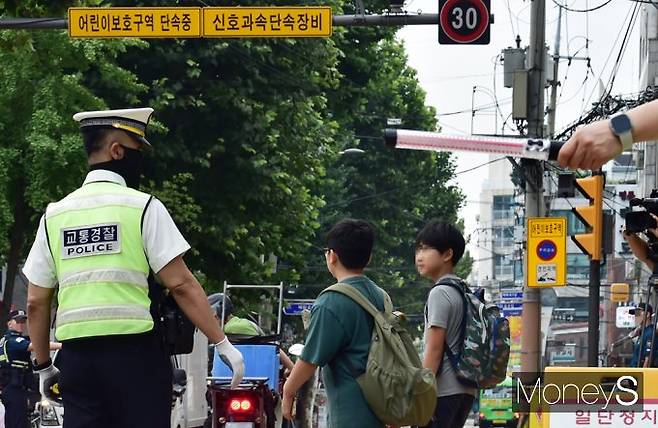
[99, 244]
[15, 369]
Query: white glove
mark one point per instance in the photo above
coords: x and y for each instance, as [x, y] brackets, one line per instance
[48, 377]
[233, 358]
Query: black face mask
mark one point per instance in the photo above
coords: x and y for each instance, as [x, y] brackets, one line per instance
[130, 167]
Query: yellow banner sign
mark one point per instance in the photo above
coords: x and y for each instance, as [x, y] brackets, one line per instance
[545, 229]
[135, 22]
[547, 252]
[267, 21]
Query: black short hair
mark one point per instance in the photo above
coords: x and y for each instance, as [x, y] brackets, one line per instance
[94, 137]
[352, 240]
[442, 236]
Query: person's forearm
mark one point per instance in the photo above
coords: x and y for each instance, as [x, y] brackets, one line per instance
[639, 248]
[193, 301]
[285, 360]
[432, 358]
[643, 119]
[38, 318]
[301, 372]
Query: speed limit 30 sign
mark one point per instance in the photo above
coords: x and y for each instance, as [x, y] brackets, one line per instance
[464, 22]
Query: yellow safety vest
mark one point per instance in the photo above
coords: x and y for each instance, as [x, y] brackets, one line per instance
[95, 238]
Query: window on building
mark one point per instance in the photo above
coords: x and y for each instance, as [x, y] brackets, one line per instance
[574, 225]
[503, 236]
[578, 267]
[503, 266]
[503, 207]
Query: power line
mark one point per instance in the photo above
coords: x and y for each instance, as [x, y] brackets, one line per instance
[480, 166]
[605, 3]
[511, 21]
[408, 187]
[478, 108]
[631, 13]
[624, 44]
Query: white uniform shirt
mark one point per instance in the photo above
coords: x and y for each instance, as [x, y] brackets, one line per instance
[162, 240]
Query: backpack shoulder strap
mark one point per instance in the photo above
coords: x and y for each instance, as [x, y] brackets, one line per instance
[388, 304]
[355, 295]
[461, 286]
[362, 301]
[455, 283]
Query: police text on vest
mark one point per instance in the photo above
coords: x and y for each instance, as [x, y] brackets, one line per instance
[92, 240]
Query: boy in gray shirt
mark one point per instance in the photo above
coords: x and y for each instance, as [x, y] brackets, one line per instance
[439, 246]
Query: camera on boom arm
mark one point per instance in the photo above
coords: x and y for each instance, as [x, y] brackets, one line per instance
[642, 220]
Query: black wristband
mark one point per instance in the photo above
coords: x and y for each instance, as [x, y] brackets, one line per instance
[37, 367]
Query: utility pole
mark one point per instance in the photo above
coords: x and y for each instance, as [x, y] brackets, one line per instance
[533, 169]
[554, 81]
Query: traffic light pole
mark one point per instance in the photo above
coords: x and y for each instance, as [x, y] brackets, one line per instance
[593, 318]
[594, 285]
[534, 192]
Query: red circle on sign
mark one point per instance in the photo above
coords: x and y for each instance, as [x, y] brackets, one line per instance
[546, 250]
[464, 5]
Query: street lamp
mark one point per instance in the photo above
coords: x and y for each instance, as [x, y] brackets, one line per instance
[351, 151]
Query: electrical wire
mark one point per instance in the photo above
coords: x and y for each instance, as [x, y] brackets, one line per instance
[479, 166]
[620, 55]
[511, 21]
[495, 94]
[478, 108]
[615, 202]
[409, 187]
[632, 14]
[605, 3]
[607, 107]
[605, 201]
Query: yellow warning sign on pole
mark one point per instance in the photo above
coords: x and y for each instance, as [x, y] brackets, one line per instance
[267, 21]
[145, 22]
[547, 252]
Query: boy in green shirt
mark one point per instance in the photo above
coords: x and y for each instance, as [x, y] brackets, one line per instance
[340, 331]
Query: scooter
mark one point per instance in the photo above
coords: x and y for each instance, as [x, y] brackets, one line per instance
[250, 405]
[255, 403]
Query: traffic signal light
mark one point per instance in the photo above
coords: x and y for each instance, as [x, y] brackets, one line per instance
[592, 215]
[619, 292]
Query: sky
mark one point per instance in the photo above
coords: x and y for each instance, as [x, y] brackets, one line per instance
[448, 73]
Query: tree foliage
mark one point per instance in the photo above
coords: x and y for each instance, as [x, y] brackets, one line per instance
[247, 136]
[397, 191]
[249, 124]
[45, 79]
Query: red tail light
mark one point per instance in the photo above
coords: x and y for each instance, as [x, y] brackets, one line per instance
[240, 405]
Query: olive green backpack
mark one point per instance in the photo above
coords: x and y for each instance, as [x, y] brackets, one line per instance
[395, 384]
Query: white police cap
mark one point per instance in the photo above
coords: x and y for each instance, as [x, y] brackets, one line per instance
[132, 120]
